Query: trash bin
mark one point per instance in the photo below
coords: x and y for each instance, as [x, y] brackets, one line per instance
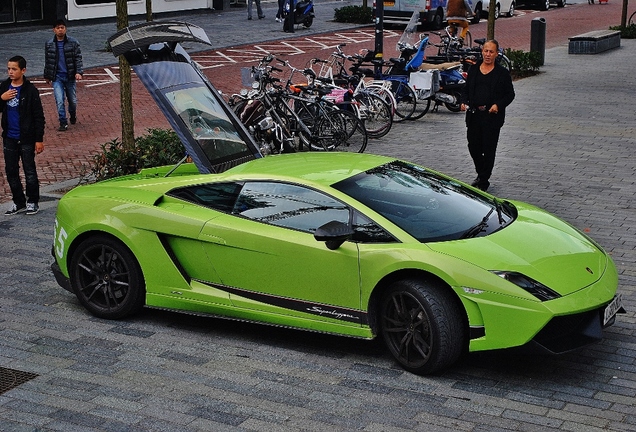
[537, 38]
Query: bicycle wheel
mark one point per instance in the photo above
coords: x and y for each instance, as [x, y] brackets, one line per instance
[339, 131]
[421, 108]
[374, 113]
[504, 61]
[405, 99]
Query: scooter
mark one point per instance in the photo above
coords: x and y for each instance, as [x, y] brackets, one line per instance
[451, 83]
[303, 14]
[439, 83]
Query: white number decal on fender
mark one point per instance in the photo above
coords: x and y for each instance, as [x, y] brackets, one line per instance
[60, 238]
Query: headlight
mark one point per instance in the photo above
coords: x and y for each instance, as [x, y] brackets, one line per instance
[535, 288]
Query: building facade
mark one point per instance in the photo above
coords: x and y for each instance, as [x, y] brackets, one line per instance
[19, 12]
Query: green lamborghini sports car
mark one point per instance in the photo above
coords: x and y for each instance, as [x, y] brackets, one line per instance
[344, 243]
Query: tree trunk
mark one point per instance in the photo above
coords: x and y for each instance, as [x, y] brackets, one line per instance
[125, 85]
[148, 10]
[490, 33]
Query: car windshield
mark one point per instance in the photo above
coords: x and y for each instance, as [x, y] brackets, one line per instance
[428, 206]
[206, 121]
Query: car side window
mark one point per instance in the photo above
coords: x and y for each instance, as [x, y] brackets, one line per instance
[219, 196]
[289, 206]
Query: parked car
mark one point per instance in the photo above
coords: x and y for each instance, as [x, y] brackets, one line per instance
[502, 7]
[540, 4]
[351, 244]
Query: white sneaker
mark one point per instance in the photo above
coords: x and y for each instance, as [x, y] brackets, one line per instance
[279, 20]
[32, 208]
[14, 210]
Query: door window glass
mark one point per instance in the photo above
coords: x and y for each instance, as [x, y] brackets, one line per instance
[289, 206]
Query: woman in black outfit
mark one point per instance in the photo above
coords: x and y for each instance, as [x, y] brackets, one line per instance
[487, 93]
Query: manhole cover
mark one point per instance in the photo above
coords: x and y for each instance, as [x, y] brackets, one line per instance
[11, 378]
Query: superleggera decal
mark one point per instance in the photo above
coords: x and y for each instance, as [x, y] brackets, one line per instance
[335, 312]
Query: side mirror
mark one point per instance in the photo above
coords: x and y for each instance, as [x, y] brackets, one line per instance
[334, 234]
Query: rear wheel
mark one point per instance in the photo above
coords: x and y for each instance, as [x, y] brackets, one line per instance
[454, 107]
[106, 278]
[438, 20]
[511, 10]
[422, 107]
[405, 100]
[375, 113]
[308, 21]
[339, 131]
[422, 325]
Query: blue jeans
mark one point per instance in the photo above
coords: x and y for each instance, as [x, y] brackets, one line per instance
[14, 152]
[65, 88]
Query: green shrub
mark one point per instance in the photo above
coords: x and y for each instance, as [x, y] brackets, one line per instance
[158, 147]
[354, 14]
[523, 63]
[627, 32]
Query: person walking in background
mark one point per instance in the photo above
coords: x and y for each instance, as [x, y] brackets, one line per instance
[63, 67]
[279, 14]
[457, 12]
[487, 93]
[23, 135]
[259, 10]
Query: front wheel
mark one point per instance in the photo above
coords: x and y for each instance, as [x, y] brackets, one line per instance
[422, 325]
[106, 278]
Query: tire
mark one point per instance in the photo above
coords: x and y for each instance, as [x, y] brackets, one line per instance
[422, 107]
[438, 21]
[422, 326]
[456, 107]
[511, 10]
[477, 16]
[543, 5]
[308, 22]
[497, 11]
[106, 278]
[340, 131]
[375, 113]
[405, 100]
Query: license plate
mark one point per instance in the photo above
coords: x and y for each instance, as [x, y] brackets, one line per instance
[612, 308]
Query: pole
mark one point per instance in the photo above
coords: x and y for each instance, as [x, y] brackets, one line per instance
[379, 35]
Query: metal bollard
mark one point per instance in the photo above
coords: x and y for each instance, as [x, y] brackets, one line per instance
[537, 38]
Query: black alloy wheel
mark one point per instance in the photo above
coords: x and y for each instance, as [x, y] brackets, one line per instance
[422, 326]
[106, 278]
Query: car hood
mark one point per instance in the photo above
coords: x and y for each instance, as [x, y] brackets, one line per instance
[537, 245]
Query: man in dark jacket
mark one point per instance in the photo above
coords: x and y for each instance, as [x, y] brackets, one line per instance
[63, 67]
[487, 93]
[23, 135]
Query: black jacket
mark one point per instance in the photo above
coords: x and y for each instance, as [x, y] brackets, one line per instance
[72, 55]
[502, 92]
[31, 112]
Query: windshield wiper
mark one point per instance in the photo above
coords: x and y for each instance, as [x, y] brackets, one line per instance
[472, 232]
[499, 208]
